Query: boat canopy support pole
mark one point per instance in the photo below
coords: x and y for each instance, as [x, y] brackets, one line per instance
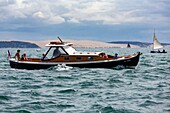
[46, 53]
[60, 39]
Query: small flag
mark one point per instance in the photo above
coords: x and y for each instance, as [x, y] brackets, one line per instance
[8, 54]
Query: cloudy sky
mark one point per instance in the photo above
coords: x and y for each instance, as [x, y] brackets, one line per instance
[101, 20]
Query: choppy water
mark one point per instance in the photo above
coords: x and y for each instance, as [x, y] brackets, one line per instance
[145, 89]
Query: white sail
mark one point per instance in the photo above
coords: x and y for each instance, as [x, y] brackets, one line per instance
[156, 43]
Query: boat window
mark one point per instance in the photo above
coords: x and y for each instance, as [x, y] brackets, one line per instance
[90, 58]
[78, 58]
[55, 52]
[66, 58]
[70, 50]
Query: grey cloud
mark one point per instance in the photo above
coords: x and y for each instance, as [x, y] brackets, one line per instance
[40, 15]
[111, 11]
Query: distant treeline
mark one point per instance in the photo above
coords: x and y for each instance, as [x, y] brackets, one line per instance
[17, 44]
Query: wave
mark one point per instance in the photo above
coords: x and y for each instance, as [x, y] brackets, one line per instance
[67, 91]
[21, 111]
[61, 67]
[4, 97]
[110, 109]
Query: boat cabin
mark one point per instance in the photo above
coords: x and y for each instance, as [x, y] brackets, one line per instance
[65, 49]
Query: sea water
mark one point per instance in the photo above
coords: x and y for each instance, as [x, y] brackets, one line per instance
[62, 89]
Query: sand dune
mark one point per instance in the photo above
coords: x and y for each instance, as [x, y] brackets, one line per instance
[86, 44]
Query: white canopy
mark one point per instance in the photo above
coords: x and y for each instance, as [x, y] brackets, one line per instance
[71, 51]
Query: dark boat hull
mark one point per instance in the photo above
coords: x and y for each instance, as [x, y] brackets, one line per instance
[127, 62]
[158, 52]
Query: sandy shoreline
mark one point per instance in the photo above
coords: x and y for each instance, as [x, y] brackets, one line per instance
[79, 43]
[86, 44]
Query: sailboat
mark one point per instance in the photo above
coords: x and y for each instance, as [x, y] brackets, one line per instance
[157, 45]
[128, 45]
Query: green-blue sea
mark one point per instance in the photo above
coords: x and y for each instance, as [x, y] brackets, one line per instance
[62, 89]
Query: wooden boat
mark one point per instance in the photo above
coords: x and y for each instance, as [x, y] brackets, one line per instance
[68, 56]
[157, 45]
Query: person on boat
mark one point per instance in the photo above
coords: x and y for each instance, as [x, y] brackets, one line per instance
[163, 51]
[105, 55]
[23, 57]
[17, 55]
[56, 52]
[116, 56]
[44, 57]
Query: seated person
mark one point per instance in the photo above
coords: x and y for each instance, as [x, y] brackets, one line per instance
[23, 57]
[104, 55]
[116, 56]
[43, 57]
[56, 53]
